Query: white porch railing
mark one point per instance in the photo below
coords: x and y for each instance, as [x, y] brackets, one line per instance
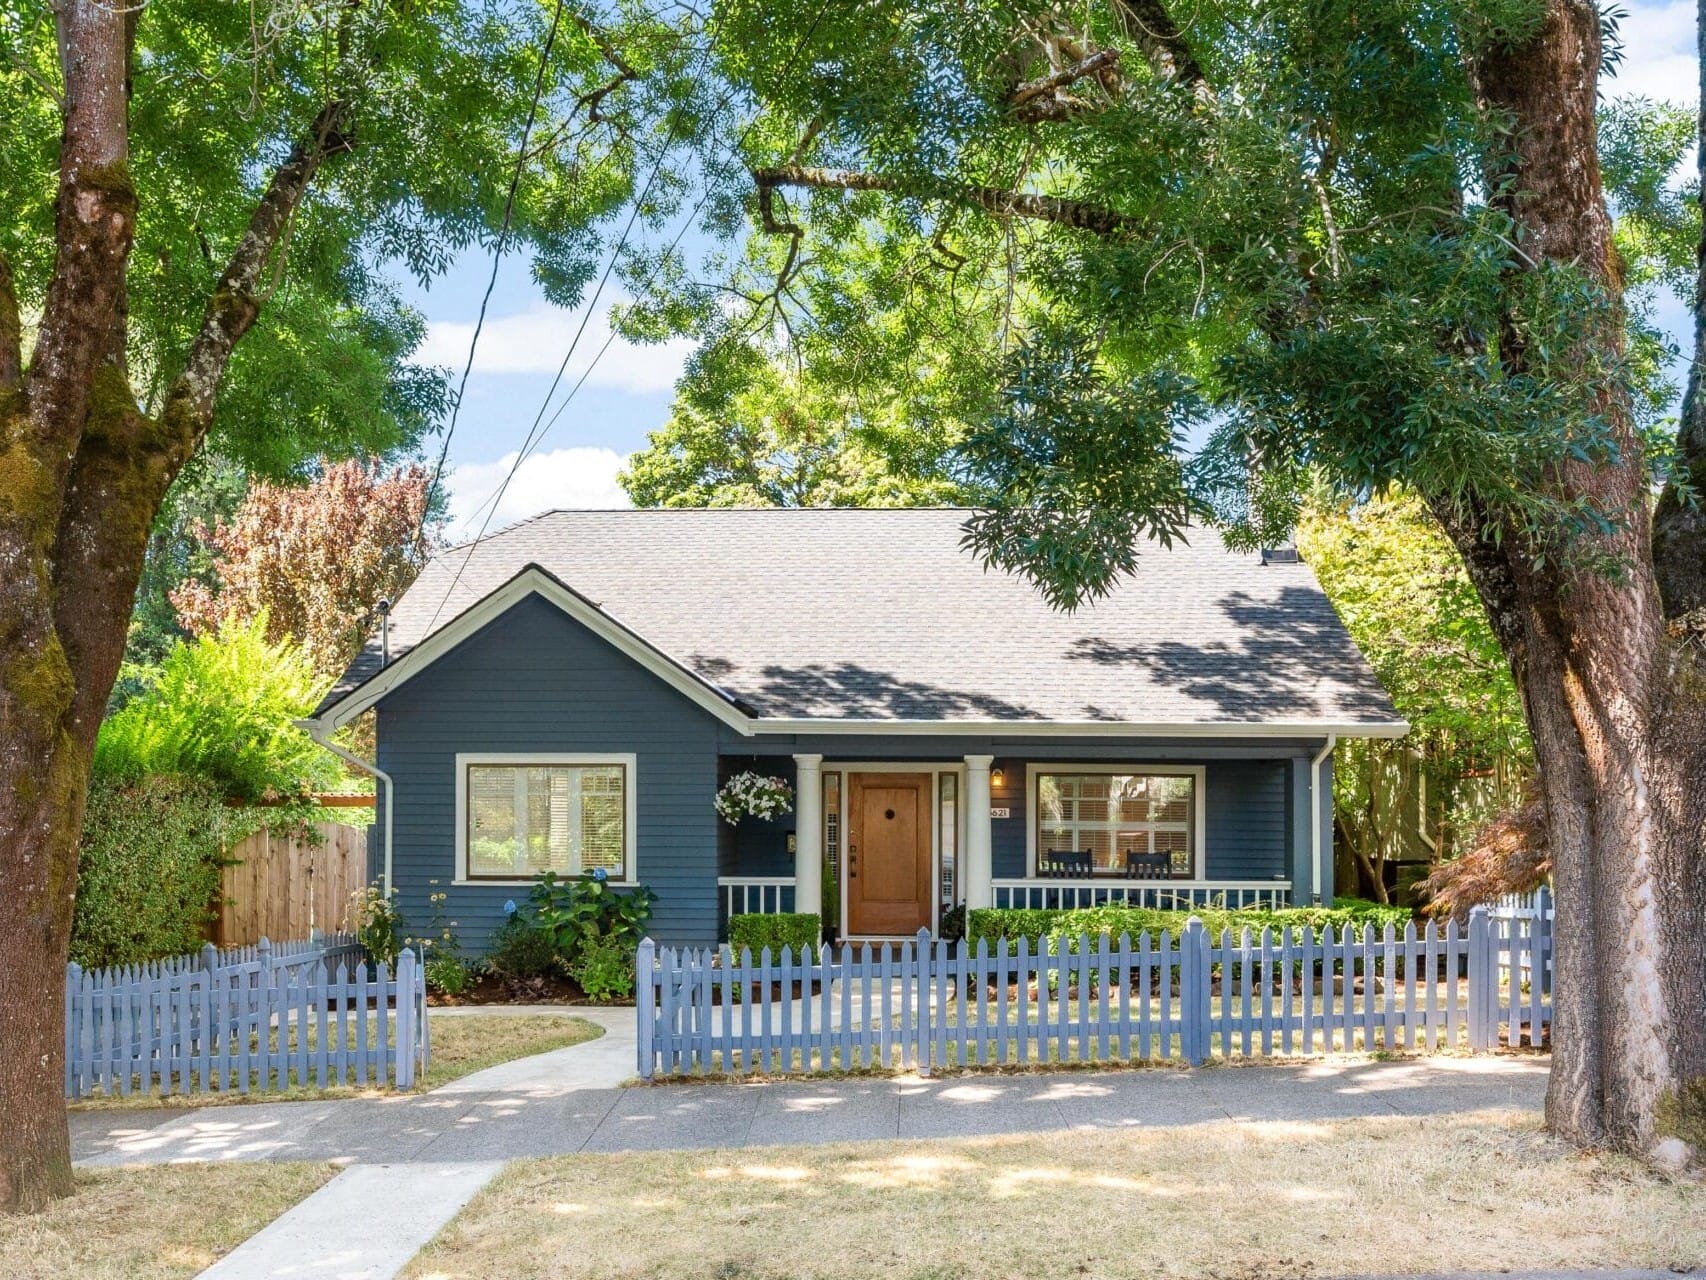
[765, 895]
[1166, 895]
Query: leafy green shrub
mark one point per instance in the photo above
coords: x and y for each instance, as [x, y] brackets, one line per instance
[447, 969]
[377, 924]
[577, 911]
[605, 968]
[798, 930]
[448, 975]
[1036, 924]
[520, 950]
[222, 708]
[148, 869]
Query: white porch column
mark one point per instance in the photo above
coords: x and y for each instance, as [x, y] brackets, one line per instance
[978, 867]
[808, 834]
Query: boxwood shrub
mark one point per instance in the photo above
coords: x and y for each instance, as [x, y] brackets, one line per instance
[789, 929]
[1036, 924]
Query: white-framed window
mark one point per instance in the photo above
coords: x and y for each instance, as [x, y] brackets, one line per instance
[519, 815]
[1132, 820]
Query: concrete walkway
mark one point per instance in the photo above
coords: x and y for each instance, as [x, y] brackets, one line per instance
[332, 1234]
[605, 1063]
[538, 1119]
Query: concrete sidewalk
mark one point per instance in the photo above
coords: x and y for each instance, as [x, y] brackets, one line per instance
[528, 1121]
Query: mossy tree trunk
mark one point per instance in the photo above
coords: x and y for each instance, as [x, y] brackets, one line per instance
[1614, 689]
[83, 472]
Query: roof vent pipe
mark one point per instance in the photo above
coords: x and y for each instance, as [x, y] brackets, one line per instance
[384, 607]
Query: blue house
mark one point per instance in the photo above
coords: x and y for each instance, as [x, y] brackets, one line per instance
[571, 693]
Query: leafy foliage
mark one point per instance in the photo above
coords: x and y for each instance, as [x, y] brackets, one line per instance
[1401, 591]
[604, 969]
[1058, 927]
[377, 924]
[221, 709]
[580, 910]
[1259, 233]
[520, 951]
[313, 561]
[148, 868]
[755, 931]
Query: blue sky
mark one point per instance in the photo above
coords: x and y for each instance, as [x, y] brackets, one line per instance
[628, 392]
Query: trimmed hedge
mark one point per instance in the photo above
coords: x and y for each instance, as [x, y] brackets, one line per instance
[148, 869]
[1036, 924]
[789, 929]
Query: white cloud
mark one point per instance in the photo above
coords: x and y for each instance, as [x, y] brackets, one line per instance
[579, 477]
[1659, 55]
[533, 341]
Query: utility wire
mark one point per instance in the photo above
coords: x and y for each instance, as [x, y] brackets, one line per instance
[537, 434]
[497, 258]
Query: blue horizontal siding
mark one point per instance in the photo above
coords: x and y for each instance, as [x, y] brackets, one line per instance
[536, 680]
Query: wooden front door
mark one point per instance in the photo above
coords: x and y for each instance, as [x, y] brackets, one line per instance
[888, 853]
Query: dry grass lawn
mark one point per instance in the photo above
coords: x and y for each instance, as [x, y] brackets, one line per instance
[1226, 1201]
[460, 1046]
[157, 1223]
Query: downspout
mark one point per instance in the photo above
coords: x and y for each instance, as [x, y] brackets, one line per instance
[315, 730]
[1315, 764]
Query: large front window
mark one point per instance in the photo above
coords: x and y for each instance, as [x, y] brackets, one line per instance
[523, 819]
[1126, 825]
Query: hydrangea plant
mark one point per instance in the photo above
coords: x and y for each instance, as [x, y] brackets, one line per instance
[754, 795]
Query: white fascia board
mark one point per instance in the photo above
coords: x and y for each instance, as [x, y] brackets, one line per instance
[1089, 728]
[529, 582]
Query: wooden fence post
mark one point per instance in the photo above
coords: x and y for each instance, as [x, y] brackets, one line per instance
[403, 1060]
[921, 1053]
[1195, 996]
[645, 1004]
[73, 989]
[1483, 982]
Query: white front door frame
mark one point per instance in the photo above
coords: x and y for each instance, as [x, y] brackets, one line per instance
[935, 768]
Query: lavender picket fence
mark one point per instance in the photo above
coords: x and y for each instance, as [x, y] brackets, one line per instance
[257, 1019]
[931, 1006]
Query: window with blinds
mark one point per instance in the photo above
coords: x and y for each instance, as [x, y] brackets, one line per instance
[1129, 822]
[527, 819]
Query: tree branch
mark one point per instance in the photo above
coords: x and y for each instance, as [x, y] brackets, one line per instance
[1038, 100]
[592, 100]
[1164, 44]
[236, 300]
[95, 222]
[126, 460]
[1077, 214]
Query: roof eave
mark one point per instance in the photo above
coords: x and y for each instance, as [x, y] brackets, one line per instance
[1091, 728]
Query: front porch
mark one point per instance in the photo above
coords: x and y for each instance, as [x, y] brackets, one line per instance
[882, 848]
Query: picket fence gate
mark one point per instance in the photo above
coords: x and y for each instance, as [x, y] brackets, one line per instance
[255, 1019]
[919, 1005]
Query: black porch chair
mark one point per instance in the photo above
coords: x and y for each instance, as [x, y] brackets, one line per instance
[1148, 866]
[1066, 864]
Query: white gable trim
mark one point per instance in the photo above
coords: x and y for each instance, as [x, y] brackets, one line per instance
[1305, 729]
[533, 581]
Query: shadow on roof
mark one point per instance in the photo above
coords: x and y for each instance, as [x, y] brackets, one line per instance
[1270, 667]
[846, 690]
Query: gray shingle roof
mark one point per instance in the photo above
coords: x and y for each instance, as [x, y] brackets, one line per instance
[880, 615]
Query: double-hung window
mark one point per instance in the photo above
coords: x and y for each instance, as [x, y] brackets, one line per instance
[521, 816]
[1133, 822]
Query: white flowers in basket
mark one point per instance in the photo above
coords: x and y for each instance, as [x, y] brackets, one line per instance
[753, 795]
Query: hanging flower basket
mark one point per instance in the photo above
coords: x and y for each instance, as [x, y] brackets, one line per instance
[752, 795]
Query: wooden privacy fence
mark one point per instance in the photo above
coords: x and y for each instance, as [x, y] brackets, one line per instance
[923, 1005]
[250, 1020]
[286, 883]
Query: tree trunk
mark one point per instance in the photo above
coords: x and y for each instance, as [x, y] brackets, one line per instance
[1615, 699]
[83, 472]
